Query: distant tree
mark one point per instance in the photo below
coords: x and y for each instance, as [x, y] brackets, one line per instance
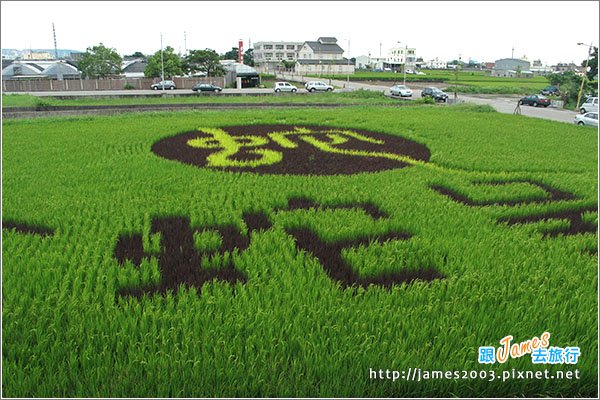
[592, 64]
[519, 70]
[206, 60]
[288, 65]
[173, 64]
[570, 84]
[99, 62]
[231, 54]
[249, 57]
[137, 54]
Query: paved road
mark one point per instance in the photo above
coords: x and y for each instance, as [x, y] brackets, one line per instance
[148, 92]
[504, 104]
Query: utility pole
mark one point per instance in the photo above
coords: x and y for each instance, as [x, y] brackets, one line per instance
[55, 46]
[456, 78]
[162, 64]
[404, 66]
[512, 55]
[348, 71]
[584, 73]
[184, 43]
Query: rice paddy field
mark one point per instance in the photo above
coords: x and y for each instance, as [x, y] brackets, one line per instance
[291, 253]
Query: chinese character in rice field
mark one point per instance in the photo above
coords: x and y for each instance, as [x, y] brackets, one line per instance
[298, 150]
[180, 262]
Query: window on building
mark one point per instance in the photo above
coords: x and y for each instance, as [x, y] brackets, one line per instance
[290, 55]
[268, 47]
[279, 56]
[290, 47]
[278, 47]
[257, 48]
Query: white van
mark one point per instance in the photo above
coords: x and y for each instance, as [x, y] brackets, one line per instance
[590, 105]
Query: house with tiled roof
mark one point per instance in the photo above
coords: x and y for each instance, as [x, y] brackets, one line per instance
[323, 56]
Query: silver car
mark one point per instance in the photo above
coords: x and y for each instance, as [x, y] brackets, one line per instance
[400, 90]
[318, 86]
[164, 84]
[284, 87]
[590, 105]
[587, 119]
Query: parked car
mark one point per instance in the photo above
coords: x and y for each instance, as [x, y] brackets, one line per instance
[284, 87]
[435, 93]
[400, 90]
[550, 90]
[313, 86]
[206, 87]
[166, 84]
[535, 100]
[587, 119]
[590, 105]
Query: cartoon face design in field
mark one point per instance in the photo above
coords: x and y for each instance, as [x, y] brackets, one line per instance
[294, 150]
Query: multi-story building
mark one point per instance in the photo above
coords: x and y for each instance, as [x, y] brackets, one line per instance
[400, 57]
[269, 55]
[323, 56]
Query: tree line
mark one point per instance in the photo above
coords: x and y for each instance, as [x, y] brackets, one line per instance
[100, 62]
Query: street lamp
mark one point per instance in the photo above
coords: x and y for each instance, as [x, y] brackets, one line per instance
[162, 63]
[584, 72]
[348, 67]
[404, 67]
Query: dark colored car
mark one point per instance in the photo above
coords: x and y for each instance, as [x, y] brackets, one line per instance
[535, 100]
[550, 90]
[206, 87]
[435, 93]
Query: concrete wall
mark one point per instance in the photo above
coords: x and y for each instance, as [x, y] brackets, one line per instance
[44, 85]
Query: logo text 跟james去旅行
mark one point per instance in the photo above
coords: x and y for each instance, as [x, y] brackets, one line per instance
[538, 348]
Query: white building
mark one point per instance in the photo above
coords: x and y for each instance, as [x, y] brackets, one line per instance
[400, 57]
[436, 63]
[537, 68]
[372, 63]
[512, 68]
[362, 62]
[323, 56]
[268, 55]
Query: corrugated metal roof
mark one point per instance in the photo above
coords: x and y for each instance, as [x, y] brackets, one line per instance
[241, 69]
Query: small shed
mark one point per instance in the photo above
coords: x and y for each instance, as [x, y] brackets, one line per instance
[249, 76]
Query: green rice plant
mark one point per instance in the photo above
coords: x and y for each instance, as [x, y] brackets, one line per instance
[289, 329]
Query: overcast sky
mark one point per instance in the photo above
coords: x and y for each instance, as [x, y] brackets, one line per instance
[483, 31]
